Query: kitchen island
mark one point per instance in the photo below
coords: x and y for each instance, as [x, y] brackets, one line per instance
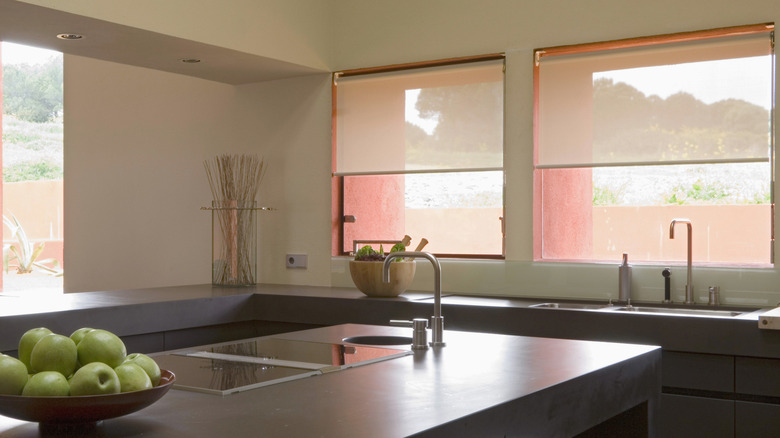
[477, 385]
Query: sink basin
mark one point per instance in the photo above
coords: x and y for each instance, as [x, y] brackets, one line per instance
[378, 340]
[569, 306]
[660, 310]
[679, 311]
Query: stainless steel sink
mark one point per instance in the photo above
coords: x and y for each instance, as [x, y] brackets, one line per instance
[576, 306]
[378, 340]
[679, 311]
[659, 310]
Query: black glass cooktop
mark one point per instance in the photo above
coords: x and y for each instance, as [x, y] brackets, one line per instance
[228, 368]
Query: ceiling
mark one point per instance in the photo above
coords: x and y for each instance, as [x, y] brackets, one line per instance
[38, 26]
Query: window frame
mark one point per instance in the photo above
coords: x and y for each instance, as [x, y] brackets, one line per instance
[628, 43]
[338, 217]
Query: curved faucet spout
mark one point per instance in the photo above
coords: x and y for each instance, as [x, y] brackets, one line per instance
[437, 321]
[689, 299]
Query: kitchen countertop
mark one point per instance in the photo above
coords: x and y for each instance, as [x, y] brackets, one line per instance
[477, 385]
[155, 310]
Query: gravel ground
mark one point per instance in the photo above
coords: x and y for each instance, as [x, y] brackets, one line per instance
[451, 190]
[31, 142]
[650, 185]
[639, 185]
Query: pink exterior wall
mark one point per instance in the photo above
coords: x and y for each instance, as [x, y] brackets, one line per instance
[643, 233]
[39, 206]
[371, 197]
[566, 218]
[456, 230]
[721, 233]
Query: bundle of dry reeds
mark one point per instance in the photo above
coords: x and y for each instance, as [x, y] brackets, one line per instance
[235, 177]
[234, 181]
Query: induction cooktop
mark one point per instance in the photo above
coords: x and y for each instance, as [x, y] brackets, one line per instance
[229, 368]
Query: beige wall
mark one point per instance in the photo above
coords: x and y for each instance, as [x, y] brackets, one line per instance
[135, 142]
[135, 139]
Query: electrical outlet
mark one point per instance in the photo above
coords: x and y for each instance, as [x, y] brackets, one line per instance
[296, 261]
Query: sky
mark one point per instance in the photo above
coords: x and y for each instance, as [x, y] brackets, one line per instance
[413, 116]
[708, 81]
[19, 54]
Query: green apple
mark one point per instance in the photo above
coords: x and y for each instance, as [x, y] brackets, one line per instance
[101, 346]
[147, 364]
[28, 341]
[79, 334]
[13, 375]
[46, 384]
[54, 352]
[132, 377]
[94, 378]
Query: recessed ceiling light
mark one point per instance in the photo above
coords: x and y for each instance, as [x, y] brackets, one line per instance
[70, 36]
[190, 60]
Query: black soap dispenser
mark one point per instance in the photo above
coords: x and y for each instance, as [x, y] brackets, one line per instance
[624, 286]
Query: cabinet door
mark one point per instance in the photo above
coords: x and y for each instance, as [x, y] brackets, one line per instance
[757, 420]
[709, 372]
[758, 376]
[685, 416]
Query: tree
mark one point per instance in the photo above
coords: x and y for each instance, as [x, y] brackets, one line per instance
[470, 121]
[33, 92]
[629, 126]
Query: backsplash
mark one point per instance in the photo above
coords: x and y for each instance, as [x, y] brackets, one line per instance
[752, 287]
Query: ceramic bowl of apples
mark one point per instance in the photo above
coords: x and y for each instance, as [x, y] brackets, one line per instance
[78, 379]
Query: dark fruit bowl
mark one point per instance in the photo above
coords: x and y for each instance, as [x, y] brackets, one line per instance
[82, 409]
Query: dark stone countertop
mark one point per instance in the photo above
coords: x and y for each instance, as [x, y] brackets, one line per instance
[152, 310]
[477, 385]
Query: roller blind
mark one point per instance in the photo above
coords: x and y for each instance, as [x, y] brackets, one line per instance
[573, 130]
[459, 125]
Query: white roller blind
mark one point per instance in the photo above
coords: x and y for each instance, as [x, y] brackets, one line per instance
[569, 131]
[375, 135]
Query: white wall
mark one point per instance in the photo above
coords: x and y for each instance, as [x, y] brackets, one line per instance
[135, 142]
[139, 171]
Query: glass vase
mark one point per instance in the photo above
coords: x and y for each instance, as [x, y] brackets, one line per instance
[234, 243]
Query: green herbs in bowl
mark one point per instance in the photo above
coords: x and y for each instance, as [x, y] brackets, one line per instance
[366, 271]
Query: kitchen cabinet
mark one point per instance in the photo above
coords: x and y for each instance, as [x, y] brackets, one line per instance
[757, 420]
[758, 376]
[697, 395]
[698, 372]
[757, 406]
[687, 416]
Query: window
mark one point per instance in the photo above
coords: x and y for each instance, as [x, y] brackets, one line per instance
[32, 169]
[632, 134]
[418, 151]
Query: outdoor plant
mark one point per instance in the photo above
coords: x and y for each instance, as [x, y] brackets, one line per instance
[605, 196]
[698, 192]
[24, 251]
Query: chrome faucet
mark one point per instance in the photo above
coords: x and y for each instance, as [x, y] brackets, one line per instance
[688, 287]
[437, 321]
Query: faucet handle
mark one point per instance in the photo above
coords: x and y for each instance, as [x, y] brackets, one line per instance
[419, 333]
[416, 323]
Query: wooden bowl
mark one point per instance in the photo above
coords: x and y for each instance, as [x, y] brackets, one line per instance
[83, 409]
[368, 277]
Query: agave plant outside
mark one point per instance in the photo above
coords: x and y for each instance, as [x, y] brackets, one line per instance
[25, 252]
